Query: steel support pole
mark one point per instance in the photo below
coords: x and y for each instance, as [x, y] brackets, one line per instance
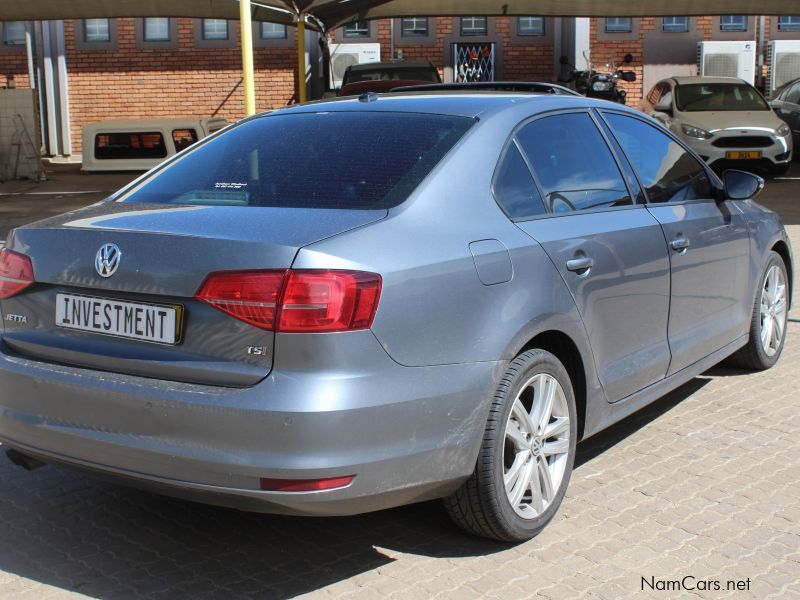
[301, 59]
[248, 75]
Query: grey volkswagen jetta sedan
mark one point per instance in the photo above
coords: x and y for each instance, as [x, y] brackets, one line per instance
[350, 305]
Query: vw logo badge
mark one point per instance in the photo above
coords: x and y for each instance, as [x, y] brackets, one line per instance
[107, 260]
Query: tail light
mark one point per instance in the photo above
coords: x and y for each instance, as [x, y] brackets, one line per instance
[296, 301]
[16, 273]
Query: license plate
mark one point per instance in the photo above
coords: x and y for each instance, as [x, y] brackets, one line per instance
[157, 323]
[743, 155]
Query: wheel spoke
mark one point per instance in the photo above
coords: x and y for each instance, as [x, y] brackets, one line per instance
[772, 284]
[766, 332]
[518, 491]
[536, 494]
[517, 438]
[556, 447]
[557, 428]
[525, 425]
[548, 397]
[514, 471]
[546, 480]
[775, 335]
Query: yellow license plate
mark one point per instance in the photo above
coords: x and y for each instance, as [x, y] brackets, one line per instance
[743, 155]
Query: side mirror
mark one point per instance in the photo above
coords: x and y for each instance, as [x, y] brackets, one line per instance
[628, 75]
[628, 58]
[741, 185]
[664, 105]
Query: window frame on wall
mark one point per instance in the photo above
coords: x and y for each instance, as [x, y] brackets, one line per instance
[352, 31]
[532, 32]
[18, 41]
[146, 21]
[672, 26]
[617, 29]
[215, 37]
[733, 27]
[474, 31]
[414, 31]
[89, 24]
[281, 30]
[792, 25]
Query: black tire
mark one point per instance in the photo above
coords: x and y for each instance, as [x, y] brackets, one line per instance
[481, 506]
[752, 356]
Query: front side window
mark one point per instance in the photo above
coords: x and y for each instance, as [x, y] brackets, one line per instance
[514, 188]
[14, 32]
[357, 29]
[215, 29]
[733, 23]
[793, 94]
[789, 23]
[473, 26]
[414, 27]
[335, 160]
[667, 172]
[183, 138]
[133, 145]
[156, 30]
[573, 164]
[700, 97]
[530, 25]
[619, 25]
[272, 31]
[675, 24]
[96, 30]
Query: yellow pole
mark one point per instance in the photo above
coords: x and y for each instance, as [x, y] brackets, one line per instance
[248, 76]
[301, 58]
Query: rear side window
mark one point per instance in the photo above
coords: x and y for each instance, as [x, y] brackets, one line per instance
[351, 160]
[667, 172]
[573, 163]
[147, 144]
[183, 138]
[514, 188]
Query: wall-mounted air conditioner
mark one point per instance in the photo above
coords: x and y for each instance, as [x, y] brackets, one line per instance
[783, 60]
[344, 55]
[727, 59]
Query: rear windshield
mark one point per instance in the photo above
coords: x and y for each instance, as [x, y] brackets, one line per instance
[717, 97]
[394, 74]
[134, 145]
[351, 160]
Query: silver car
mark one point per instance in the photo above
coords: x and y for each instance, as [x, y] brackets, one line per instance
[725, 120]
[351, 305]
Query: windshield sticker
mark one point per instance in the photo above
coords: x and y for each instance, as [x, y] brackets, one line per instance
[229, 185]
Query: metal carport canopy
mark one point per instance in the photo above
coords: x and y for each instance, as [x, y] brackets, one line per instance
[333, 13]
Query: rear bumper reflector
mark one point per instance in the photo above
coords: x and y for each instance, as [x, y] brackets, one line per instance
[305, 485]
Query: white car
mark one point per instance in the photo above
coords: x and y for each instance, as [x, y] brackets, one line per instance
[725, 120]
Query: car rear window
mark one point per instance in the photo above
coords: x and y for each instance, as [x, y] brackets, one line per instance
[133, 145]
[395, 74]
[350, 160]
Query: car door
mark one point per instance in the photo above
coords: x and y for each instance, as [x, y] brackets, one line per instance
[788, 109]
[709, 244]
[608, 249]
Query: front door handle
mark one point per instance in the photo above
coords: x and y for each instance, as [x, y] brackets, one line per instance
[580, 264]
[680, 244]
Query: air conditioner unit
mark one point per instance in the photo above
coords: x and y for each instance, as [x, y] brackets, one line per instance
[727, 59]
[345, 55]
[783, 59]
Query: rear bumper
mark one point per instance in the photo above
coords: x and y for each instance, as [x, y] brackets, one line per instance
[407, 434]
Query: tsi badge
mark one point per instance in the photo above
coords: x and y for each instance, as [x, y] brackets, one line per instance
[257, 350]
[107, 260]
[17, 319]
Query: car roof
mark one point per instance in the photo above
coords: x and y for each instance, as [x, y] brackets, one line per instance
[391, 65]
[702, 79]
[520, 87]
[462, 104]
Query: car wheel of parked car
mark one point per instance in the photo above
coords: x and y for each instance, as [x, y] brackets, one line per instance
[768, 324]
[527, 454]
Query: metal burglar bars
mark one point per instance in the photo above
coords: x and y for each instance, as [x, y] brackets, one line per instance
[473, 62]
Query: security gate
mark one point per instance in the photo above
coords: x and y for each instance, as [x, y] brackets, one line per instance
[473, 62]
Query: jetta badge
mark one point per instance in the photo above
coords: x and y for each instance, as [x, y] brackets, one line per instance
[107, 260]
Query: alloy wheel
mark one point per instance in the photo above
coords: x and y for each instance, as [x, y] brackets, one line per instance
[773, 310]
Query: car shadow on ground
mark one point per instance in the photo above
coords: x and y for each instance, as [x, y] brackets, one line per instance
[67, 530]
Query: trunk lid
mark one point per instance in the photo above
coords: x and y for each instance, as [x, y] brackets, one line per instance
[166, 253]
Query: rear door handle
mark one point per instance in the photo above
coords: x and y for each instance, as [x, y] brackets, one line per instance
[580, 264]
[680, 244]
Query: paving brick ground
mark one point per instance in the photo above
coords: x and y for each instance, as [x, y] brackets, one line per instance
[704, 483]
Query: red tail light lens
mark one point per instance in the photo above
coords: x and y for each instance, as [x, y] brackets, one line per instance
[300, 301]
[250, 296]
[16, 273]
[329, 301]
